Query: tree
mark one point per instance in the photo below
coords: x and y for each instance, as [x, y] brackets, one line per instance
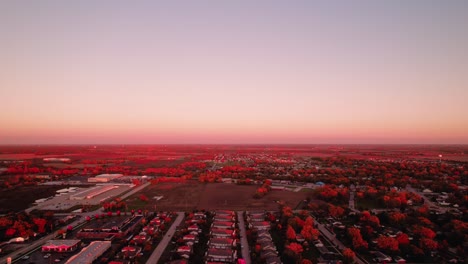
[295, 250]
[403, 239]
[348, 254]
[428, 244]
[424, 232]
[336, 211]
[309, 221]
[299, 222]
[309, 233]
[290, 233]
[147, 247]
[397, 217]
[387, 243]
[287, 211]
[10, 232]
[358, 241]
[5, 221]
[40, 223]
[374, 221]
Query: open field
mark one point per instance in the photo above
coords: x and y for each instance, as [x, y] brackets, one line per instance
[193, 195]
[20, 198]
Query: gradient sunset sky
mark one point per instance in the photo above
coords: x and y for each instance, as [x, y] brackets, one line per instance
[126, 72]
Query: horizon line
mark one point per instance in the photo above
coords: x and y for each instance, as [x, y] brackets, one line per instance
[232, 144]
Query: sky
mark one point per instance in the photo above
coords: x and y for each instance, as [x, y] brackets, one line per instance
[151, 72]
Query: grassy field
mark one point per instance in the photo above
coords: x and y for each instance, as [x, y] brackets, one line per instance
[193, 195]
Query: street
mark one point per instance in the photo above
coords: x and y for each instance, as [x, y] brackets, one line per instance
[154, 258]
[243, 238]
[331, 237]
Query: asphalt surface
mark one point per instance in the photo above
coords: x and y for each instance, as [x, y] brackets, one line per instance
[427, 201]
[154, 258]
[243, 238]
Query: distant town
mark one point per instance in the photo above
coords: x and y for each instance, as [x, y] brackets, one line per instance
[272, 204]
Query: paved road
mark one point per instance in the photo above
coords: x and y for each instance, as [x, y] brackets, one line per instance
[352, 202]
[135, 190]
[427, 201]
[154, 258]
[243, 237]
[18, 253]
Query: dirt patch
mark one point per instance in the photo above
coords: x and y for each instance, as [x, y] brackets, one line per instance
[193, 195]
[240, 197]
[176, 196]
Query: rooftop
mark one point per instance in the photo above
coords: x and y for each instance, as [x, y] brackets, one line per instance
[90, 253]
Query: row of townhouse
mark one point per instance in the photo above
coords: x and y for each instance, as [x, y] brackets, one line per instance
[223, 238]
[136, 243]
[256, 220]
[191, 233]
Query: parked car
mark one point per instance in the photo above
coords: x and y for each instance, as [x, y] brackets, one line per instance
[399, 260]
[380, 257]
[318, 243]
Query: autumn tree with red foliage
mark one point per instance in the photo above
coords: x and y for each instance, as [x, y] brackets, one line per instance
[397, 217]
[309, 233]
[290, 233]
[403, 239]
[10, 232]
[424, 232]
[295, 249]
[348, 254]
[370, 219]
[428, 244]
[358, 241]
[387, 243]
[210, 176]
[336, 211]
[287, 211]
[40, 224]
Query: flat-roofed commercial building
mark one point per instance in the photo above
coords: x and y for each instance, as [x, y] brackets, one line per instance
[93, 192]
[90, 253]
[109, 230]
[61, 245]
[104, 177]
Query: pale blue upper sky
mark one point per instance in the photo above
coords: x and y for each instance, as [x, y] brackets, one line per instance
[233, 71]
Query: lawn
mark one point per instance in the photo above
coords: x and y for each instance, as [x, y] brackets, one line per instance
[367, 204]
